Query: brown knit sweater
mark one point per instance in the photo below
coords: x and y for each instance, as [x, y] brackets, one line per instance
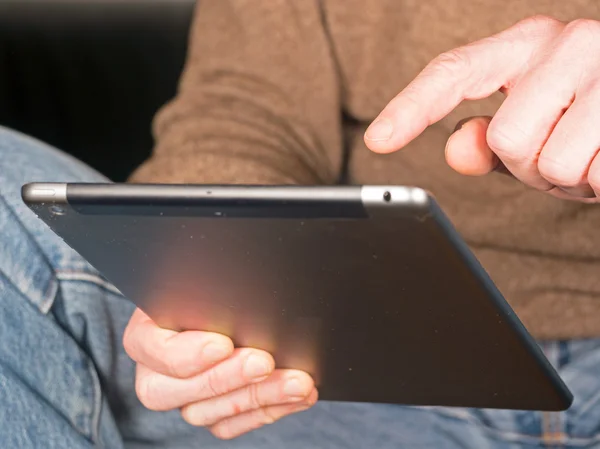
[281, 91]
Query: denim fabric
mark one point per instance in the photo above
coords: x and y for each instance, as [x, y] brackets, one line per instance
[65, 381]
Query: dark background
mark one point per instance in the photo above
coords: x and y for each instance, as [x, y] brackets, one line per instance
[87, 76]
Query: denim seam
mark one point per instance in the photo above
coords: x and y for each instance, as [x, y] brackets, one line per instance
[50, 290]
[92, 433]
[42, 398]
[47, 298]
[90, 278]
[97, 408]
[96, 412]
[49, 295]
[98, 281]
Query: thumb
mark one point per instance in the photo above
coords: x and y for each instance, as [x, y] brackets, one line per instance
[467, 150]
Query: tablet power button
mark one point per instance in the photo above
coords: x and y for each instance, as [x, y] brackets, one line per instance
[44, 192]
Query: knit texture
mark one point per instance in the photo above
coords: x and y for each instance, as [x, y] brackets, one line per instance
[279, 92]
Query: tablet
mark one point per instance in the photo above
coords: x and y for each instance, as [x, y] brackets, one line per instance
[368, 288]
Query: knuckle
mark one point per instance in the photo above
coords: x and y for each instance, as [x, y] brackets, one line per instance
[129, 343]
[577, 46]
[145, 388]
[253, 396]
[593, 87]
[211, 386]
[174, 361]
[558, 173]
[583, 28]
[579, 36]
[173, 367]
[452, 62]
[508, 142]
[265, 416]
[540, 22]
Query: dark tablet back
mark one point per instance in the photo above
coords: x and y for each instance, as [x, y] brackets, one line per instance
[369, 289]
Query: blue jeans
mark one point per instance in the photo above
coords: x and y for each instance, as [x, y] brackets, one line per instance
[65, 381]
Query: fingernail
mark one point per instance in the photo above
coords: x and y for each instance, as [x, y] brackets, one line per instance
[380, 130]
[214, 352]
[464, 121]
[460, 124]
[293, 389]
[256, 367]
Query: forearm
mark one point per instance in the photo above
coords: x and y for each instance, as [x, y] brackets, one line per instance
[258, 101]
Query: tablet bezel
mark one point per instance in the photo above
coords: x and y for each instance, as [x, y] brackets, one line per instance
[281, 206]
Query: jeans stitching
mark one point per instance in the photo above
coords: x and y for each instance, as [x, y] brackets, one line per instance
[91, 416]
[97, 404]
[76, 276]
[49, 296]
[64, 416]
[90, 278]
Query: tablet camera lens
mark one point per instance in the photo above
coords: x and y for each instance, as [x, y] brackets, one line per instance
[57, 210]
[387, 197]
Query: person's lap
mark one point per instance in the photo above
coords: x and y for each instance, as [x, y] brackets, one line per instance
[65, 380]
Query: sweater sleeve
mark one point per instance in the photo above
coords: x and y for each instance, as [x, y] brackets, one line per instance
[258, 101]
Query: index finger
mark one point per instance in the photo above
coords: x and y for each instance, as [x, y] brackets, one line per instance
[176, 354]
[471, 72]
